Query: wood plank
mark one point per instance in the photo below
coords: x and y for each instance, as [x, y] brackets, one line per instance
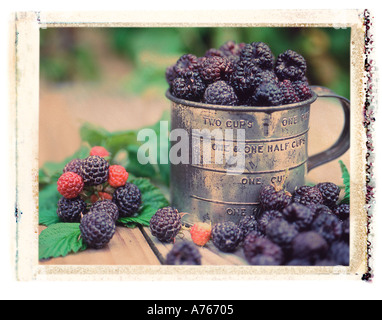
[128, 247]
[161, 249]
[138, 246]
[210, 254]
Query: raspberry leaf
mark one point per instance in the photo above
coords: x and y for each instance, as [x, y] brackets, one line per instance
[51, 171]
[120, 143]
[48, 217]
[48, 198]
[346, 180]
[152, 199]
[136, 168]
[59, 240]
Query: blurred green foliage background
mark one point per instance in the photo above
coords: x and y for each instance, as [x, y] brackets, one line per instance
[66, 56]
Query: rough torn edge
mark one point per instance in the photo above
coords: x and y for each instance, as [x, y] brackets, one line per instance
[24, 76]
[370, 105]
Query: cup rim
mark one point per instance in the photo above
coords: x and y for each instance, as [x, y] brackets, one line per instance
[194, 104]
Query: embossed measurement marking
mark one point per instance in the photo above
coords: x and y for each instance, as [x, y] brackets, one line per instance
[196, 135]
[226, 202]
[200, 167]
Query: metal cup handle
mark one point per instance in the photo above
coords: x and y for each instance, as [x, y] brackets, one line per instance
[343, 142]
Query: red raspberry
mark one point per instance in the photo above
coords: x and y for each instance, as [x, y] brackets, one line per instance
[99, 151]
[200, 233]
[70, 185]
[117, 176]
[93, 198]
[100, 196]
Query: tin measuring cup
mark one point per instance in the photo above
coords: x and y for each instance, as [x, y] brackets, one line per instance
[275, 151]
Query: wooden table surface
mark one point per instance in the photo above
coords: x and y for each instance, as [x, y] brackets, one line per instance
[76, 104]
[136, 246]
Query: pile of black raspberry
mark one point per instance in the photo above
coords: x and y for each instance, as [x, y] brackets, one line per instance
[306, 227]
[96, 194]
[240, 74]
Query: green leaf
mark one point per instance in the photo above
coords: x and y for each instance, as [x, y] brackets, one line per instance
[163, 146]
[152, 200]
[135, 167]
[48, 198]
[94, 135]
[119, 143]
[51, 171]
[59, 240]
[48, 217]
[346, 180]
[112, 141]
